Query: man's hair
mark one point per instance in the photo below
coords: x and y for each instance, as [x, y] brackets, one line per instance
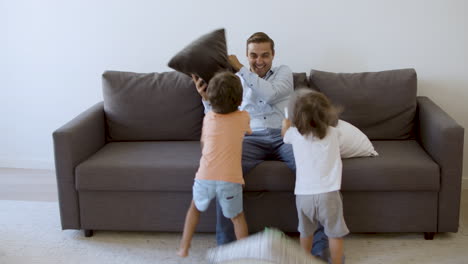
[260, 37]
[313, 113]
[224, 92]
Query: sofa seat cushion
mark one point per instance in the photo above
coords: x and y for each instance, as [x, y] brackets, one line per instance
[171, 166]
[141, 166]
[402, 165]
[164, 166]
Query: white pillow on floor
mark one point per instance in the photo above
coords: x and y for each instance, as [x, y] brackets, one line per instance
[353, 143]
[269, 246]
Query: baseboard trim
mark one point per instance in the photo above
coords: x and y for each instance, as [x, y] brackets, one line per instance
[27, 164]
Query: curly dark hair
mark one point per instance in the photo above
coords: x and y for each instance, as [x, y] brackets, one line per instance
[224, 92]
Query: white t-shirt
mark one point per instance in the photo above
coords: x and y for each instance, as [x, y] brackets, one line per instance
[318, 161]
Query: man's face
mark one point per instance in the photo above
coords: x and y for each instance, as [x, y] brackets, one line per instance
[260, 57]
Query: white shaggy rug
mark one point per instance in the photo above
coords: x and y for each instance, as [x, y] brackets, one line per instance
[30, 232]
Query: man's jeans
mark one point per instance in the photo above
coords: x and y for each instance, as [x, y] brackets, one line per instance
[264, 145]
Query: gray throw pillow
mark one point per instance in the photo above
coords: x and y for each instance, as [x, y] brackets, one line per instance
[203, 57]
[381, 104]
[151, 106]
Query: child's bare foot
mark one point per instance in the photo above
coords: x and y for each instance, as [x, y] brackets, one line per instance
[182, 252]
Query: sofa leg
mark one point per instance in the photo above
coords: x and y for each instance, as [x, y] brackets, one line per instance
[88, 233]
[429, 235]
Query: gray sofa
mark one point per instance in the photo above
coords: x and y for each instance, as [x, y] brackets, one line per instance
[128, 163]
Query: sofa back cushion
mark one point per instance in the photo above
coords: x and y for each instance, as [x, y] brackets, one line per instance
[151, 106]
[300, 80]
[380, 104]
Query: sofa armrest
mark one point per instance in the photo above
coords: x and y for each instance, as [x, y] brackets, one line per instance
[73, 143]
[442, 138]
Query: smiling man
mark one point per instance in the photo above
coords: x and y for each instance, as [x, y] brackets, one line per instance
[266, 91]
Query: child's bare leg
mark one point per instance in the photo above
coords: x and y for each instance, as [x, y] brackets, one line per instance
[191, 222]
[240, 226]
[306, 243]
[336, 249]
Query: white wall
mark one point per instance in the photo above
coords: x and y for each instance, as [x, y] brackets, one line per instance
[52, 53]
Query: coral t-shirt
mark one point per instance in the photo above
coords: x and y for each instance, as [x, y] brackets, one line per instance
[222, 136]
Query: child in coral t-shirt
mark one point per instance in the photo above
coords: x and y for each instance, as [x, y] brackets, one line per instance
[220, 172]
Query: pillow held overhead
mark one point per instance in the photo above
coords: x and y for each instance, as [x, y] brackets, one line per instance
[203, 57]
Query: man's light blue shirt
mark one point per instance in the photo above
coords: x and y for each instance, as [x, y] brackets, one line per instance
[265, 98]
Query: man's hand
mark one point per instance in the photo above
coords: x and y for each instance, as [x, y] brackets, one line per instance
[236, 65]
[201, 86]
[286, 125]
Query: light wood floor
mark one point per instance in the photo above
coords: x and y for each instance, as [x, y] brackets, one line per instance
[41, 185]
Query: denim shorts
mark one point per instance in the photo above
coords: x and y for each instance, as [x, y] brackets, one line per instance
[229, 195]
